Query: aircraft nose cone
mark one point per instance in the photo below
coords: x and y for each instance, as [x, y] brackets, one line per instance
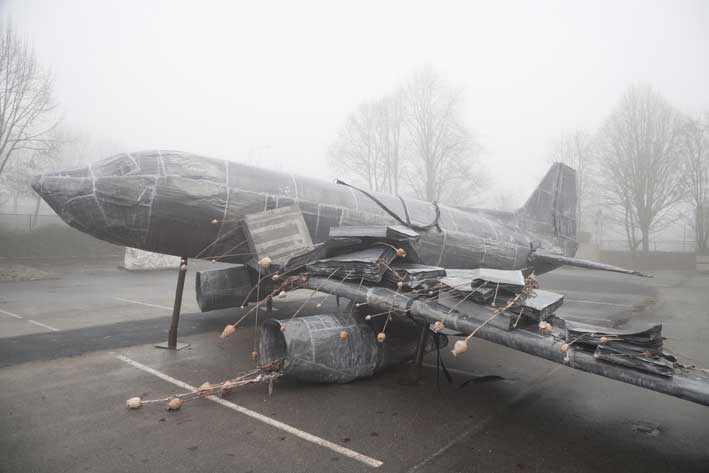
[62, 190]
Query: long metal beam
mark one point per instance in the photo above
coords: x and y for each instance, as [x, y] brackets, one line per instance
[691, 385]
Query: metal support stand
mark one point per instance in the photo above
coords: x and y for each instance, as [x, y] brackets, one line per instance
[172, 334]
[416, 370]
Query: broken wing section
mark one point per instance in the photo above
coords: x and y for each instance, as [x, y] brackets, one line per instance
[635, 357]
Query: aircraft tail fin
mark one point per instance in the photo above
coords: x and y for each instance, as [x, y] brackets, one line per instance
[550, 212]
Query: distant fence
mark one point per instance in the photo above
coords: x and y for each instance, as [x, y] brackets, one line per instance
[27, 222]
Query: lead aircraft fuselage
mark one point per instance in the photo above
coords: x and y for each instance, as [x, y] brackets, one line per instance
[192, 206]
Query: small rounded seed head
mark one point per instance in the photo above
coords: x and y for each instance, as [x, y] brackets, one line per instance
[228, 331]
[265, 262]
[381, 336]
[604, 340]
[134, 403]
[564, 347]
[174, 404]
[401, 253]
[460, 347]
[344, 335]
[282, 294]
[254, 355]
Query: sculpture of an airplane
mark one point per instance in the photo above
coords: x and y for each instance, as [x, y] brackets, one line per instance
[392, 257]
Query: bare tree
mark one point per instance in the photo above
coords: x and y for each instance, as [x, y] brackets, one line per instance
[369, 146]
[443, 151]
[639, 155]
[25, 98]
[695, 146]
[577, 150]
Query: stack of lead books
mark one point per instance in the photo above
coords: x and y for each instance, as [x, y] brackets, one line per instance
[540, 305]
[368, 264]
[363, 236]
[635, 348]
[414, 275]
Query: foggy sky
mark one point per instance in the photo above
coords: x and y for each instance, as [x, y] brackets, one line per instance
[271, 83]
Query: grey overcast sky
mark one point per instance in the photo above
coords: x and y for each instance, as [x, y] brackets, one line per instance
[271, 82]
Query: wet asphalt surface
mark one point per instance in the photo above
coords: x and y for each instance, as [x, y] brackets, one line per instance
[63, 388]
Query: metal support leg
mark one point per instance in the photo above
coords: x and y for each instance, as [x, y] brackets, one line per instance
[415, 370]
[420, 349]
[172, 334]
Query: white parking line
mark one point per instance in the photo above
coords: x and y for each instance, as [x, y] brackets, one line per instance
[11, 314]
[600, 303]
[40, 324]
[260, 417]
[142, 303]
[157, 306]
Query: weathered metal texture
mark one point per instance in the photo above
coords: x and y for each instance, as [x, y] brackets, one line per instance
[551, 209]
[188, 205]
[222, 288]
[337, 348]
[278, 234]
[691, 385]
[368, 264]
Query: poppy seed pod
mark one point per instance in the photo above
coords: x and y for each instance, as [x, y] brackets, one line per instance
[545, 327]
[174, 404]
[604, 340]
[344, 335]
[381, 336]
[401, 253]
[564, 347]
[134, 403]
[282, 294]
[228, 331]
[275, 277]
[438, 326]
[265, 262]
[460, 347]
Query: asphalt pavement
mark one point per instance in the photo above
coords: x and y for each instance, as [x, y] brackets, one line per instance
[73, 348]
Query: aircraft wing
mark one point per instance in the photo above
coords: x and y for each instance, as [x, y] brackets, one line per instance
[587, 348]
